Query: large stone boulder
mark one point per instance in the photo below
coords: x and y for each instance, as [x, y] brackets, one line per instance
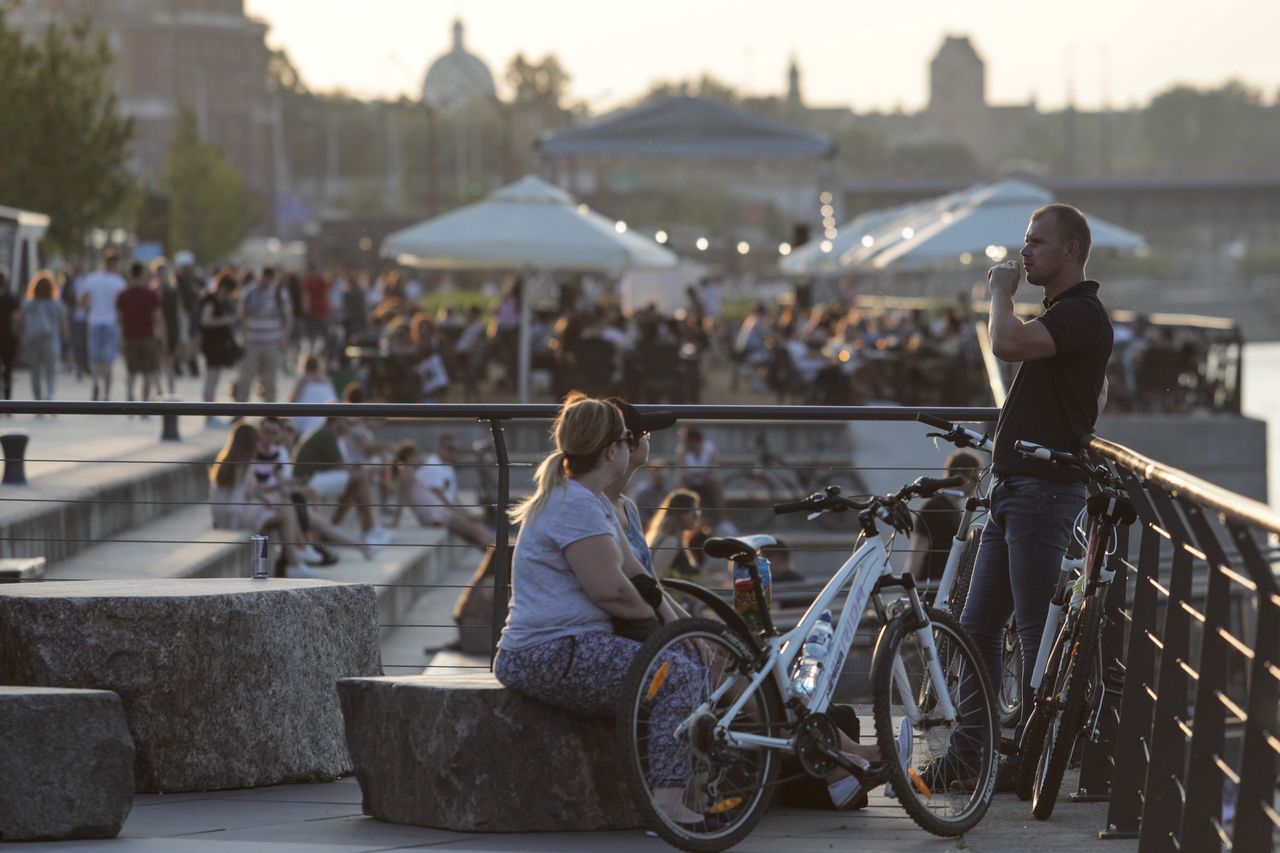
[226, 683]
[66, 764]
[461, 752]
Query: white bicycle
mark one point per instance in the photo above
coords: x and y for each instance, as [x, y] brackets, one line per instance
[720, 697]
[953, 587]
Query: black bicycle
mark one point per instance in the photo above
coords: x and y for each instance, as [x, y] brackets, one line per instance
[1069, 681]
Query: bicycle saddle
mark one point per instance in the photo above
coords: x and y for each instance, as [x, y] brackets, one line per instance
[730, 547]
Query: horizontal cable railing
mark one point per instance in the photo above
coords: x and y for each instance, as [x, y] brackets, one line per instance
[1188, 749]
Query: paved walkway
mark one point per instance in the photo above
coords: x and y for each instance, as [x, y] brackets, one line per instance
[328, 819]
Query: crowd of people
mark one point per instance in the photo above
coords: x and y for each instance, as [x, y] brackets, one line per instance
[271, 477]
[250, 330]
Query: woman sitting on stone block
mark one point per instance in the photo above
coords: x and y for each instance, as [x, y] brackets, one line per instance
[571, 597]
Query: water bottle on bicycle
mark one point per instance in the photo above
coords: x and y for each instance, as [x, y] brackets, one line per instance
[813, 656]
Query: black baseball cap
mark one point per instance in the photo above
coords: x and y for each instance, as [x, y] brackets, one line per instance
[638, 421]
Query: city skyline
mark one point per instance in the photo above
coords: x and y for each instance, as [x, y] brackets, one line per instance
[867, 58]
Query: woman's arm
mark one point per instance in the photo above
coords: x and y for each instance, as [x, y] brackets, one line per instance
[597, 565]
[664, 554]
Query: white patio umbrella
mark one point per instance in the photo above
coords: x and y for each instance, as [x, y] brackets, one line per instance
[990, 220]
[531, 227]
[861, 236]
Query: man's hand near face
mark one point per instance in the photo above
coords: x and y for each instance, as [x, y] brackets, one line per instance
[1003, 279]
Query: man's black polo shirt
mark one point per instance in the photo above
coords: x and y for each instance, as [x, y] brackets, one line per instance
[1054, 401]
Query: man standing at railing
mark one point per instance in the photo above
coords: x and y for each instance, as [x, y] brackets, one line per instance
[1054, 401]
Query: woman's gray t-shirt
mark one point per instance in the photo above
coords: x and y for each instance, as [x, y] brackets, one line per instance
[547, 602]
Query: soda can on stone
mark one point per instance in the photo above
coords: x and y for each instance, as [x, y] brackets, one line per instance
[259, 549]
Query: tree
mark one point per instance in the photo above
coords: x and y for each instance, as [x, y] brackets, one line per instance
[540, 88]
[706, 86]
[210, 208]
[1212, 131]
[66, 145]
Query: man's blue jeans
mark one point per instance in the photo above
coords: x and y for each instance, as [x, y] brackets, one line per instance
[1019, 558]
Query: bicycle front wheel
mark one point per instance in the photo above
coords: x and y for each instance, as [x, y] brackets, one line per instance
[964, 572]
[1073, 689]
[944, 793]
[700, 792]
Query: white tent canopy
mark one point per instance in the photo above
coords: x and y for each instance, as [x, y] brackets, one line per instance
[992, 217]
[941, 231]
[860, 237]
[529, 226]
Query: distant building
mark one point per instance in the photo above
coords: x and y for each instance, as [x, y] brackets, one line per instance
[205, 54]
[458, 77]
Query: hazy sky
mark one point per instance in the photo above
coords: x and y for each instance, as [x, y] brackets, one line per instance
[868, 55]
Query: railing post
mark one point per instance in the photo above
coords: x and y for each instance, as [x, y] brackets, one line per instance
[502, 532]
[1203, 778]
[1162, 805]
[1133, 732]
[1253, 828]
[1097, 754]
[15, 450]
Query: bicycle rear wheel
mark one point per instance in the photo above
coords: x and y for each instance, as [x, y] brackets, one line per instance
[1042, 712]
[1009, 694]
[902, 688]
[699, 793]
[1073, 689]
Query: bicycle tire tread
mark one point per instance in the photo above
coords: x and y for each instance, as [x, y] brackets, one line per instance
[882, 665]
[1078, 676]
[633, 685]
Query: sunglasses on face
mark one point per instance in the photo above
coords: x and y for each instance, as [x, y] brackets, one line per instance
[634, 438]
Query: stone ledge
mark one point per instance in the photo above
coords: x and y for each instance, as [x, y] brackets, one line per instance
[461, 752]
[66, 769]
[225, 683]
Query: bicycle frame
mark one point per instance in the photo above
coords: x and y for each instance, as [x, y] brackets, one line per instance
[948, 579]
[862, 574]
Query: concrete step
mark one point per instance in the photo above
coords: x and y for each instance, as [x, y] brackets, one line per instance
[183, 545]
[69, 511]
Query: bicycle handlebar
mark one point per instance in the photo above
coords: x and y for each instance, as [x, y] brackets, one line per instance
[1099, 474]
[832, 501]
[793, 506]
[935, 422]
[958, 435]
[928, 486]
[1048, 454]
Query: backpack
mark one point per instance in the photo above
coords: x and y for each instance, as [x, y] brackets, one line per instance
[39, 321]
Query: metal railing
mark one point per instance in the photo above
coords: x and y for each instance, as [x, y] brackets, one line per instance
[1189, 740]
[1188, 760]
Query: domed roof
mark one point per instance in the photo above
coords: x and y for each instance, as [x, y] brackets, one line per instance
[457, 77]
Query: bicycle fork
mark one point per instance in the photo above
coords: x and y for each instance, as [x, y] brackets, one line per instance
[918, 622]
[1054, 618]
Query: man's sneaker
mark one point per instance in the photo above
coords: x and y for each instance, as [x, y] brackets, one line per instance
[905, 739]
[310, 555]
[1006, 779]
[327, 557]
[939, 774]
[375, 540]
